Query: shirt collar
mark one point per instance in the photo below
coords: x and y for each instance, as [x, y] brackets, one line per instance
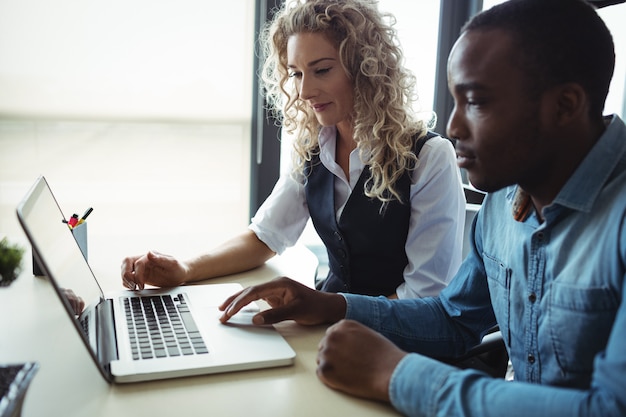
[327, 139]
[584, 186]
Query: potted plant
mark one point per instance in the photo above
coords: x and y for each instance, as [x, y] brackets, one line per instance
[10, 262]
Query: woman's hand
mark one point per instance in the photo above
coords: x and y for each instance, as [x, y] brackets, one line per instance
[155, 269]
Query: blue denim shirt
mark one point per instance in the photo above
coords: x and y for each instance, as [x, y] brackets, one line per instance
[556, 289]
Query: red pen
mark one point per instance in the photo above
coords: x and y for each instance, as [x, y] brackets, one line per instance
[73, 220]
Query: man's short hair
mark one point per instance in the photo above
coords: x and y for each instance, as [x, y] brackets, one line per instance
[559, 41]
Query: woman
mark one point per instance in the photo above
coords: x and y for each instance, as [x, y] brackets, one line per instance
[392, 221]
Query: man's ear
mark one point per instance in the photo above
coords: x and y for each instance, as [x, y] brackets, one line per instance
[570, 103]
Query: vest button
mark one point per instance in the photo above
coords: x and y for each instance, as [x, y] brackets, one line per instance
[338, 236]
[342, 253]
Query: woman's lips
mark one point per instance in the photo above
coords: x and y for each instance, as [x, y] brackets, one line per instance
[319, 107]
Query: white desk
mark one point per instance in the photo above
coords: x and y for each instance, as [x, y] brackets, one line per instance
[33, 324]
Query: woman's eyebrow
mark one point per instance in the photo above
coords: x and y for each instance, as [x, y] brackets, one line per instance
[312, 63]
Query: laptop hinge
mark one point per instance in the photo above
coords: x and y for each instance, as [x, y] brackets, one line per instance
[107, 347]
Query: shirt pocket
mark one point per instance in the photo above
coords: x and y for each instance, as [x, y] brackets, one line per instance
[580, 321]
[499, 279]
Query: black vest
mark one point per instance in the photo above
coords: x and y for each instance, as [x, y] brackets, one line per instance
[366, 248]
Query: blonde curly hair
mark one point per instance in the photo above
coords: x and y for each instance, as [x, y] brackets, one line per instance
[384, 124]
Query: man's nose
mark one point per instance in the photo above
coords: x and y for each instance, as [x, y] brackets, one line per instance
[456, 126]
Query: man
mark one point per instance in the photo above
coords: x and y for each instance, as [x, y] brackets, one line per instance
[529, 79]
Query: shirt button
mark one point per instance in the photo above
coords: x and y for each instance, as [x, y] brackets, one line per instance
[532, 297]
[531, 358]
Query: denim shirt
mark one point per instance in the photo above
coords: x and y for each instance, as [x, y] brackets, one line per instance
[555, 288]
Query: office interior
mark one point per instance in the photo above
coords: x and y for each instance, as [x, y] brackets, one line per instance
[149, 112]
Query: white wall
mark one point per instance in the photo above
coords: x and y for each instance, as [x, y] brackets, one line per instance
[138, 108]
[126, 59]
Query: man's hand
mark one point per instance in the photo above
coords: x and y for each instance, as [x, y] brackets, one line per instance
[152, 268]
[76, 302]
[289, 300]
[357, 360]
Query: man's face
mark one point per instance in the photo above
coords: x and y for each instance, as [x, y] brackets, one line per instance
[496, 122]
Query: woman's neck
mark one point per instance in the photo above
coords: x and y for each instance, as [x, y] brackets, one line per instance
[344, 145]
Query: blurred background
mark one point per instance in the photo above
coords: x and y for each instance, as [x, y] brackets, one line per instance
[144, 110]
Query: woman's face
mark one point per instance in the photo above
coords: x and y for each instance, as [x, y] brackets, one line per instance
[319, 78]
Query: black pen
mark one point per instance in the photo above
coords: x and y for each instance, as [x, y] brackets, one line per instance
[87, 213]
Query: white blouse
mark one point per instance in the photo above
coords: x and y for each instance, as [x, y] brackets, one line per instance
[435, 237]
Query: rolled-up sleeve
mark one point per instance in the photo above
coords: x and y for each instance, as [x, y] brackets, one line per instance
[280, 220]
[434, 245]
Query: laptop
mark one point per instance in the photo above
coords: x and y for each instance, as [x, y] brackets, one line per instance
[143, 335]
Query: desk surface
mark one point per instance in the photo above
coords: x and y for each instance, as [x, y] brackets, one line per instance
[34, 327]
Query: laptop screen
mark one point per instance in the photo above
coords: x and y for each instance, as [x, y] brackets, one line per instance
[59, 255]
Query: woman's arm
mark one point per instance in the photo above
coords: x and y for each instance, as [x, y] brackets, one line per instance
[238, 254]
[241, 253]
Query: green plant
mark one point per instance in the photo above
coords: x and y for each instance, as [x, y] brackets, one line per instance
[10, 262]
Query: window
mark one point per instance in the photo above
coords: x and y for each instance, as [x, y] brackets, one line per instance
[417, 26]
[131, 107]
[128, 60]
[615, 16]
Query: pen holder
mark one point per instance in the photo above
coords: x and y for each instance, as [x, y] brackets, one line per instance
[80, 234]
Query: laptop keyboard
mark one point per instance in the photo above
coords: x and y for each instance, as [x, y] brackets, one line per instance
[162, 326]
[84, 323]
